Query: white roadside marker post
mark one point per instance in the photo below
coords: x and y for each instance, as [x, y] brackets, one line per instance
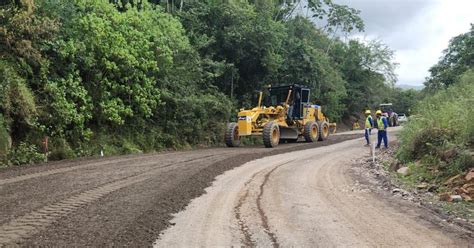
[371, 146]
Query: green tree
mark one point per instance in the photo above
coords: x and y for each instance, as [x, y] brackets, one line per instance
[404, 101]
[240, 43]
[457, 59]
[110, 62]
[22, 33]
[306, 63]
[131, 70]
[368, 70]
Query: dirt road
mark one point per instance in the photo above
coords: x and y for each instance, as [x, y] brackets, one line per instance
[116, 201]
[304, 199]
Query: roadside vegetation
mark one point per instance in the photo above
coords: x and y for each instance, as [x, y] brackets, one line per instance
[438, 141]
[136, 76]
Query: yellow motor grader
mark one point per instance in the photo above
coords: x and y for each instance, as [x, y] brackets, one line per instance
[285, 116]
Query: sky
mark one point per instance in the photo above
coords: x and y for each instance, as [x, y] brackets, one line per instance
[417, 30]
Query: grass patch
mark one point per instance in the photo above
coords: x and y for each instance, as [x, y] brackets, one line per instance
[437, 142]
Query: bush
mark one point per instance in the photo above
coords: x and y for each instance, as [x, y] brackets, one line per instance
[3, 141]
[60, 149]
[194, 119]
[25, 154]
[440, 134]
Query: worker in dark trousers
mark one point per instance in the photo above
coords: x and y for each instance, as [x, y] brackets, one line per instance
[369, 124]
[382, 125]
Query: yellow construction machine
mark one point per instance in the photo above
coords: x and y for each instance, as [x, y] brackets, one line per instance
[285, 116]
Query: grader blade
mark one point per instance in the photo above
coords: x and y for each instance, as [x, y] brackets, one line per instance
[288, 133]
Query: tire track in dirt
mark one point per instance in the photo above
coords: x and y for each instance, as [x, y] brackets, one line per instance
[261, 212]
[239, 212]
[21, 198]
[38, 220]
[20, 178]
[48, 172]
[244, 229]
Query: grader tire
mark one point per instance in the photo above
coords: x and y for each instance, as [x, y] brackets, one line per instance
[271, 135]
[232, 138]
[311, 131]
[323, 131]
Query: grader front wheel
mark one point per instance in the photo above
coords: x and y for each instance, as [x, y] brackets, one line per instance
[311, 131]
[271, 135]
[323, 131]
[232, 138]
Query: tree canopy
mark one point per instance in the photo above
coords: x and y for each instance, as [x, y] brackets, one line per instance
[456, 60]
[132, 76]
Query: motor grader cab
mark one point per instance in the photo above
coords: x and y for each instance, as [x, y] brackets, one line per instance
[387, 109]
[284, 116]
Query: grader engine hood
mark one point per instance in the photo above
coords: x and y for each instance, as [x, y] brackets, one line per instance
[247, 119]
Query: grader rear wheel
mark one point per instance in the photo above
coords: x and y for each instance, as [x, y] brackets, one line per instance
[311, 131]
[271, 135]
[323, 131]
[232, 138]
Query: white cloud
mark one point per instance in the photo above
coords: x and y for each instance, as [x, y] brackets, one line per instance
[418, 30]
[434, 27]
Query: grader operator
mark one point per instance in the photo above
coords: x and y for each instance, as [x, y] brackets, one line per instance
[285, 116]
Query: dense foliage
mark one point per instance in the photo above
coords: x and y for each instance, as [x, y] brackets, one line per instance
[438, 141]
[440, 137]
[134, 76]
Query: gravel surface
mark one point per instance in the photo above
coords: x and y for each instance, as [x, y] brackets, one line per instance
[378, 178]
[116, 201]
[306, 198]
